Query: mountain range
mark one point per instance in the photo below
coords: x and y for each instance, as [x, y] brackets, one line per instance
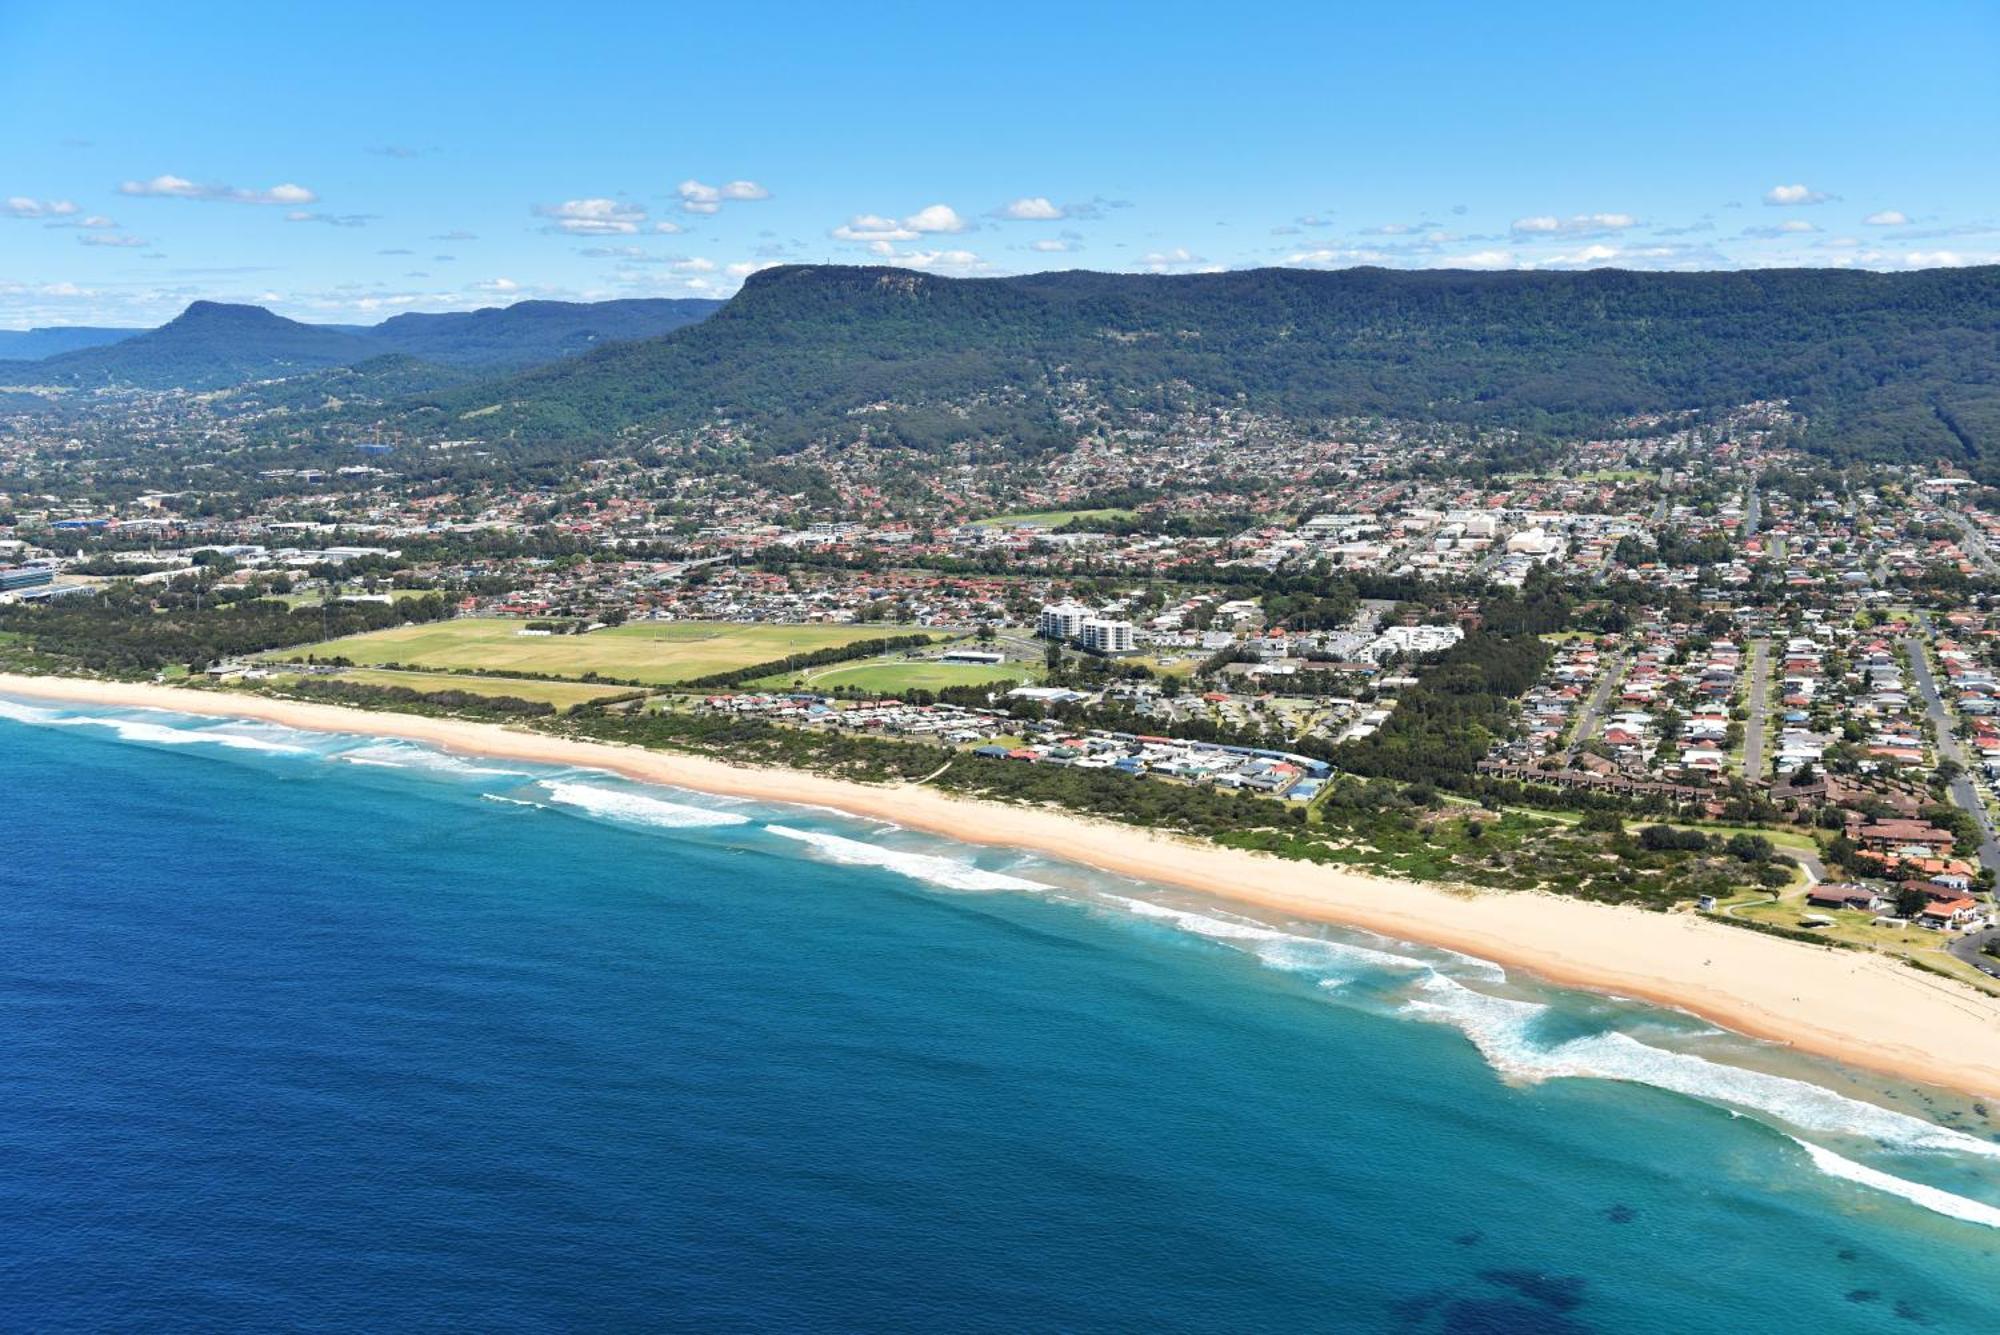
[213, 345]
[1884, 364]
[1888, 365]
[27, 345]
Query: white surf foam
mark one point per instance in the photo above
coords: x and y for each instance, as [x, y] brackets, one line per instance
[635, 808]
[1499, 1028]
[514, 801]
[21, 713]
[1934, 1199]
[918, 866]
[404, 755]
[1278, 948]
[159, 734]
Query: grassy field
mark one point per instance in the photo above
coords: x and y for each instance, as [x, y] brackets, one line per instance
[891, 676]
[656, 652]
[561, 694]
[1052, 518]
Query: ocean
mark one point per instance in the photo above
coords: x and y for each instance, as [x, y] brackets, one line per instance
[309, 1032]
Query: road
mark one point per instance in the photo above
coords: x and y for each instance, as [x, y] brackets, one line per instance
[1975, 543]
[1753, 515]
[1760, 708]
[1593, 708]
[1963, 792]
[1970, 948]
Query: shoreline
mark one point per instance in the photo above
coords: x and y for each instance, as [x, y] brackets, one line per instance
[1862, 1009]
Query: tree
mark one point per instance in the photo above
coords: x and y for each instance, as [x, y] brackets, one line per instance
[1910, 901]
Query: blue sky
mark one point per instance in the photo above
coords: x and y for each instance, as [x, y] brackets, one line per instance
[346, 162]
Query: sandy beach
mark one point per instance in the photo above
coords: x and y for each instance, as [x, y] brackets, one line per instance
[1867, 1010]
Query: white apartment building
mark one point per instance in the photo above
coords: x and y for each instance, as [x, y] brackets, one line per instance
[1062, 621]
[1104, 636]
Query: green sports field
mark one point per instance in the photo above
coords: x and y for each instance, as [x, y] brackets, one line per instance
[891, 676]
[656, 652]
[1053, 518]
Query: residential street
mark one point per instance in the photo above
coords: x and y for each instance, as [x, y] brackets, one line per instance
[1963, 792]
[1593, 710]
[1760, 704]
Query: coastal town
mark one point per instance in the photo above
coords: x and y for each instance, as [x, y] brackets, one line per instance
[1727, 633]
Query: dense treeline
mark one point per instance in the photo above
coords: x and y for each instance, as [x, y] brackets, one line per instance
[1896, 365]
[123, 630]
[837, 653]
[1444, 725]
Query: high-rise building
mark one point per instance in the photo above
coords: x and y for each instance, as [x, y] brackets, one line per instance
[1104, 636]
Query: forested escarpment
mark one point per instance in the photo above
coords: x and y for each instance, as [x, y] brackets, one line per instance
[1884, 365]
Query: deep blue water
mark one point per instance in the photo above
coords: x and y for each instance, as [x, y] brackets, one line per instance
[291, 1043]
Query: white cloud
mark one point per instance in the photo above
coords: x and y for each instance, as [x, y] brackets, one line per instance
[593, 217]
[1577, 224]
[744, 268]
[1796, 225]
[1338, 257]
[697, 197]
[1179, 257]
[1051, 245]
[1934, 259]
[940, 259]
[1480, 259]
[97, 220]
[1032, 208]
[1788, 195]
[109, 239]
[1887, 218]
[20, 206]
[1589, 255]
[877, 231]
[179, 187]
[668, 227]
[694, 264]
[935, 218]
[873, 227]
[497, 285]
[330, 219]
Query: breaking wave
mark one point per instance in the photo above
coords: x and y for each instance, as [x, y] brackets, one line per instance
[1501, 1028]
[406, 755]
[635, 809]
[945, 872]
[1279, 949]
[1933, 1199]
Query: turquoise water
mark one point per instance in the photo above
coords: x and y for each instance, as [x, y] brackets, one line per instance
[308, 1032]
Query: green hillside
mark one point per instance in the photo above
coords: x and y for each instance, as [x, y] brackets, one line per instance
[1886, 364]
